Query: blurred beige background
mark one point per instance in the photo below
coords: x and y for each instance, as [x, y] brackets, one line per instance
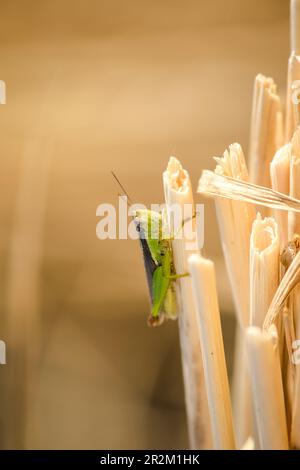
[92, 86]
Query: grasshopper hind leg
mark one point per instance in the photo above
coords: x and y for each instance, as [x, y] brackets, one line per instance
[155, 321]
[170, 303]
[169, 309]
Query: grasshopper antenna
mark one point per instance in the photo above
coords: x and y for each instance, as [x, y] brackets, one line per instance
[122, 187]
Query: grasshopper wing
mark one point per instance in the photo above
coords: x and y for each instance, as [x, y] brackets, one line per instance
[150, 265]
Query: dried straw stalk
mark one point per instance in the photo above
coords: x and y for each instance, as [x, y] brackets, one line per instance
[215, 372]
[267, 389]
[266, 134]
[178, 191]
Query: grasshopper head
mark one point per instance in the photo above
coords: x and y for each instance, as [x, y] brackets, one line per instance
[149, 223]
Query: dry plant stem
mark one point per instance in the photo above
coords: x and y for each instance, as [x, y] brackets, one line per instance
[225, 187]
[235, 243]
[249, 444]
[294, 218]
[266, 134]
[295, 26]
[178, 190]
[267, 390]
[235, 235]
[295, 308]
[292, 109]
[216, 380]
[264, 267]
[241, 393]
[263, 272]
[295, 425]
[289, 331]
[287, 284]
[294, 228]
[295, 430]
[280, 181]
[288, 368]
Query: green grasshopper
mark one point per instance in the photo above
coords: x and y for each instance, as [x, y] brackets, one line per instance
[159, 265]
[158, 261]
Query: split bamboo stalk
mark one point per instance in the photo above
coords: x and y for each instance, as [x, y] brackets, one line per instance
[264, 273]
[280, 180]
[216, 380]
[266, 134]
[249, 444]
[178, 192]
[294, 218]
[224, 187]
[288, 368]
[295, 25]
[235, 238]
[235, 235]
[287, 284]
[241, 396]
[295, 428]
[280, 177]
[293, 84]
[264, 267]
[294, 229]
[292, 106]
[267, 390]
[219, 186]
[294, 330]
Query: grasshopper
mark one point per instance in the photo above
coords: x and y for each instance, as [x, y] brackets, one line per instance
[158, 262]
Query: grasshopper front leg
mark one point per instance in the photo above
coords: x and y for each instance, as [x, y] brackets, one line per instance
[173, 277]
[173, 237]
